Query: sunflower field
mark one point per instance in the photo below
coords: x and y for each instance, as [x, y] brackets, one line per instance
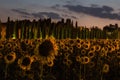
[64, 59]
[45, 50]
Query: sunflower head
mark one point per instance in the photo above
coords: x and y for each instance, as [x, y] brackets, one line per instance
[47, 47]
[25, 62]
[10, 57]
[50, 63]
[1, 46]
[85, 60]
[105, 68]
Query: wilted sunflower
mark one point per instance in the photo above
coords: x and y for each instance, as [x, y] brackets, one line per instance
[46, 49]
[25, 62]
[10, 57]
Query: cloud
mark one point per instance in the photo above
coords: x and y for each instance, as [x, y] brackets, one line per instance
[24, 12]
[101, 12]
[46, 14]
[20, 11]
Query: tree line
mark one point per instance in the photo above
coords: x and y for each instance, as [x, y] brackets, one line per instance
[26, 29]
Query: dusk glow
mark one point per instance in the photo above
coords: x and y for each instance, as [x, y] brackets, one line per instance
[87, 12]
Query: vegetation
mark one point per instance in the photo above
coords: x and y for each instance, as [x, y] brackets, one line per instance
[65, 59]
[44, 50]
[26, 29]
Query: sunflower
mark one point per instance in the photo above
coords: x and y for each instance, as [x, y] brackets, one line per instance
[97, 47]
[1, 46]
[85, 60]
[92, 48]
[71, 42]
[46, 49]
[78, 45]
[67, 61]
[105, 68]
[103, 51]
[91, 54]
[78, 59]
[83, 52]
[25, 62]
[50, 63]
[10, 57]
[91, 64]
[86, 46]
[8, 45]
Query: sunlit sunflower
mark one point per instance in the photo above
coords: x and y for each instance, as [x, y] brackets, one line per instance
[105, 68]
[46, 49]
[10, 57]
[25, 62]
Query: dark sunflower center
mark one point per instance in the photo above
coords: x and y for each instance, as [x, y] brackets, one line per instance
[45, 48]
[9, 57]
[26, 61]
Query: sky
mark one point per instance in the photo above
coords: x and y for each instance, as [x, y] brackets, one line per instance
[87, 13]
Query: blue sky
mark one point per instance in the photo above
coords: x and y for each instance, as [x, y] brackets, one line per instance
[86, 12]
